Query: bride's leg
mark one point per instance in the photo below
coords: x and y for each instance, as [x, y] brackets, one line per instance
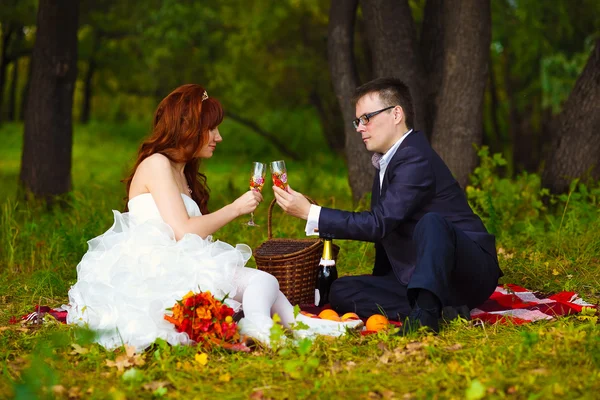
[260, 296]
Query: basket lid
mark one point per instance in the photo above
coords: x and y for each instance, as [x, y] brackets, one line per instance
[278, 248]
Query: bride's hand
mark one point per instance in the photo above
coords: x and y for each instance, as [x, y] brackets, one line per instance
[247, 202]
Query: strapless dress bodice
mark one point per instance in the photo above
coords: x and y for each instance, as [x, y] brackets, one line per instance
[143, 207]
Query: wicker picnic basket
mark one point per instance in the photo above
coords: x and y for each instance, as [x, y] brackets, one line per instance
[294, 262]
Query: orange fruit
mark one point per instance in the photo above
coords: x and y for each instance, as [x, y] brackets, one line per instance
[329, 314]
[377, 322]
[349, 316]
[311, 315]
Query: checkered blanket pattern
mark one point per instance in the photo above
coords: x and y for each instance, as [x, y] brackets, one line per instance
[517, 305]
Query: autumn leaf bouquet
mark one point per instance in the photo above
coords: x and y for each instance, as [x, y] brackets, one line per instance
[205, 319]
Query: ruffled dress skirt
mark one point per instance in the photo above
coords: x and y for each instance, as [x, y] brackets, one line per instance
[136, 270]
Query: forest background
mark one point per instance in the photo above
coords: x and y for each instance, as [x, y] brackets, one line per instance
[508, 91]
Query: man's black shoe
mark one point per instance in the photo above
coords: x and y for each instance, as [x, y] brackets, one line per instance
[420, 317]
[450, 313]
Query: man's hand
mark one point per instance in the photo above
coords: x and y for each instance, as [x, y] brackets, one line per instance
[292, 202]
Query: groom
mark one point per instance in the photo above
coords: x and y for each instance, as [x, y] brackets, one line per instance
[431, 250]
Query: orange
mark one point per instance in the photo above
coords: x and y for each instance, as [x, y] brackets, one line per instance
[377, 322]
[329, 314]
[349, 316]
[309, 314]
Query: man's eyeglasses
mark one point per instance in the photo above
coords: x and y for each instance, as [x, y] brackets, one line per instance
[364, 119]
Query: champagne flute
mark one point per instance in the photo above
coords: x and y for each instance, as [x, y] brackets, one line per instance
[257, 181]
[279, 174]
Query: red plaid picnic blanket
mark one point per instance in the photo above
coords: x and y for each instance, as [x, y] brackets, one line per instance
[508, 304]
[517, 305]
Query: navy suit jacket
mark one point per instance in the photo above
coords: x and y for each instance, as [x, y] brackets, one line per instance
[416, 182]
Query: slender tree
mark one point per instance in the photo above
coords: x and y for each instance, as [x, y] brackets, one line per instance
[575, 151]
[459, 117]
[46, 159]
[7, 31]
[345, 79]
[394, 46]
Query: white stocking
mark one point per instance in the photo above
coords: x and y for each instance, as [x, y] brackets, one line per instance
[260, 296]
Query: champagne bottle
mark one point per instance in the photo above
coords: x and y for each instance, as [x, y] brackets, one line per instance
[327, 274]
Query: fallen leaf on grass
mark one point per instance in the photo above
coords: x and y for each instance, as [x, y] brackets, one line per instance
[201, 358]
[539, 371]
[58, 389]
[385, 357]
[386, 394]
[350, 365]
[412, 346]
[454, 347]
[382, 346]
[77, 349]
[129, 359]
[74, 392]
[225, 378]
[257, 395]
[152, 386]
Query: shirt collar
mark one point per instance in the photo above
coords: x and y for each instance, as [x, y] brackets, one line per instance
[385, 158]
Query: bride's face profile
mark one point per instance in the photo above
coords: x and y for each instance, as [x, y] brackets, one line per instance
[207, 150]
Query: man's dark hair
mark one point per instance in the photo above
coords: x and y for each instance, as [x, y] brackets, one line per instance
[392, 92]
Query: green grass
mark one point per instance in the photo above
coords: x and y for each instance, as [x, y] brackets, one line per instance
[547, 245]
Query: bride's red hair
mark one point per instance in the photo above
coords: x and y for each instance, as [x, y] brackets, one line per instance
[180, 128]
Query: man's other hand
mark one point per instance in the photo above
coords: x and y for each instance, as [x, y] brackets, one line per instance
[292, 202]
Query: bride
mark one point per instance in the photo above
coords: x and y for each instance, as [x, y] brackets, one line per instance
[162, 248]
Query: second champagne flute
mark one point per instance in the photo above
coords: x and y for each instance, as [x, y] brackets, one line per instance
[257, 181]
[279, 174]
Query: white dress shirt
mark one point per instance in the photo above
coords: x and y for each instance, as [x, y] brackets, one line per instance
[312, 223]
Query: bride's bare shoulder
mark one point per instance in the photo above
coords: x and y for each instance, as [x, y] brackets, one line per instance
[156, 160]
[154, 163]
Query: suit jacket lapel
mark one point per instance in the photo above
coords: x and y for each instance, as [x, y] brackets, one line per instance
[375, 190]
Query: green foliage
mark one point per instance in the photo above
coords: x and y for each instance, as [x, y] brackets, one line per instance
[508, 207]
[559, 74]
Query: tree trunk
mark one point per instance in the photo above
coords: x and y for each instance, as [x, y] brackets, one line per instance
[6, 32]
[88, 80]
[25, 91]
[495, 136]
[459, 120]
[331, 122]
[46, 160]
[340, 44]
[392, 37]
[432, 56]
[16, 54]
[576, 149]
[86, 108]
[12, 92]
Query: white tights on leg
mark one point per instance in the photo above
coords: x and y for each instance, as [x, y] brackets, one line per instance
[260, 296]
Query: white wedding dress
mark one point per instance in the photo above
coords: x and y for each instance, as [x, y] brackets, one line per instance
[136, 270]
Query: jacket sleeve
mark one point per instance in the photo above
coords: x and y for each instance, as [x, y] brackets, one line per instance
[411, 185]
